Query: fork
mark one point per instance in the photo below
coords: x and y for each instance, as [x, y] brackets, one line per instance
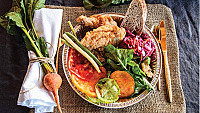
[157, 32]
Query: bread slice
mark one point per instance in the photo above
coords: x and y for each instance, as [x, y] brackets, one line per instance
[135, 17]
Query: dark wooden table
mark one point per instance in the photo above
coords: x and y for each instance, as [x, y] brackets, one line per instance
[14, 59]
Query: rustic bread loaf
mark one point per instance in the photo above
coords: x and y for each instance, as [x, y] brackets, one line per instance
[135, 17]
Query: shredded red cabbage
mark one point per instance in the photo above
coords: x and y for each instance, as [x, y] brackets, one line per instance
[142, 45]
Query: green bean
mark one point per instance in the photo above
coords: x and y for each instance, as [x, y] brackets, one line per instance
[80, 50]
[68, 44]
[84, 48]
[71, 27]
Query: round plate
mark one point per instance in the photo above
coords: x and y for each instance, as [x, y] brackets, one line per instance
[121, 102]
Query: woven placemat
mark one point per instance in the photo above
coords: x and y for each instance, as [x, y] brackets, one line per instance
[156, 101]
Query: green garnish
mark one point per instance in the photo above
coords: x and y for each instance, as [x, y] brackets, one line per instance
[74, 37]
[19, 21]
[123, 59]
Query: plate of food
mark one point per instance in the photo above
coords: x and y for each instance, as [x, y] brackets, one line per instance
[122, 67]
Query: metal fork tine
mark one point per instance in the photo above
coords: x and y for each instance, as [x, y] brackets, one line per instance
[157, 32]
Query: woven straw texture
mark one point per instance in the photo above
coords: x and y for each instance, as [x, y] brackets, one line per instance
[156, 101]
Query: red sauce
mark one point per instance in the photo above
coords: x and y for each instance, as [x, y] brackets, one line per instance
[80, 66]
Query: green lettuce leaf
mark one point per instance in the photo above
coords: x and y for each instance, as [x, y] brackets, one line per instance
[141, 84]
[113, 65]
[136, 68]
[123, 59]
[121, 56]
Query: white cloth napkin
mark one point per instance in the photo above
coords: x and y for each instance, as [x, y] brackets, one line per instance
[47, 23]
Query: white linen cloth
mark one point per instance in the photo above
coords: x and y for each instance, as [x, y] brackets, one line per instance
[47, 23]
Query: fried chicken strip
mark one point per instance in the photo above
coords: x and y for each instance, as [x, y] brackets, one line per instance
[96, 21]
[102, 36]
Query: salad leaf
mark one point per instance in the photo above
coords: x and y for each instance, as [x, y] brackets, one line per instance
[141, 84]
[24, 13]
[120, 58]
[125, 55]
[136, 69]
[113, 65]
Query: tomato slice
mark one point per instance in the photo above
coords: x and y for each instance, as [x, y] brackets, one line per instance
[79, 65]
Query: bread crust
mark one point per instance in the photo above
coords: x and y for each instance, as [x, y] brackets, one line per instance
[144, 7]
[131, 21]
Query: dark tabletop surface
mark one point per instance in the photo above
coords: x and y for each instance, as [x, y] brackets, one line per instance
[14, 59]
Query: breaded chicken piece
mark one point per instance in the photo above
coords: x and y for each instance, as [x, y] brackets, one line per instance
[102, 36]
[96, 21]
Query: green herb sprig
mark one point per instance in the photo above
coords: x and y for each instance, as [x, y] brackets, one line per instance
[19, 21]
